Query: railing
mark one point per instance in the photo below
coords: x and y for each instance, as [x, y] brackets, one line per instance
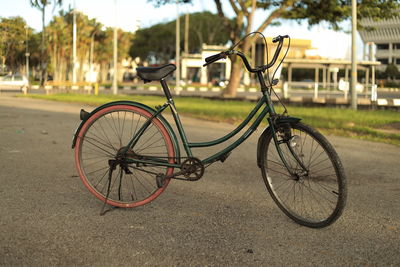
[341, 87]
[85, 87]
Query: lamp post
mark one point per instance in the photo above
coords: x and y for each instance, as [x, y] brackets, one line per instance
[93, 76]
[186, 47]
[115, 50]
[26, 54]
[353, 54]
[74, 45]
[177, 48]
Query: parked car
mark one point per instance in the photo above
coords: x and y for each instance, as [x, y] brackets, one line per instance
[14, 82]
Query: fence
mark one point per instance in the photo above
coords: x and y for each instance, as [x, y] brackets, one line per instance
[81, 87]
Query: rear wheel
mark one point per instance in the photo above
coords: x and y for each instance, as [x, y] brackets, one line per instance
[313, 190]
[100, 139]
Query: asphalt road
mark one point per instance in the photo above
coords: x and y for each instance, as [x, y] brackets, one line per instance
[227, 218]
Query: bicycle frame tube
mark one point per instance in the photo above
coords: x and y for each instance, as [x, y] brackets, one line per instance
[264, 100]
[241, 139]
[187, 145]
[142, 129]
[234, 132]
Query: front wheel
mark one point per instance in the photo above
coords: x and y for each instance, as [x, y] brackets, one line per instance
[103, 136]
[312, 190]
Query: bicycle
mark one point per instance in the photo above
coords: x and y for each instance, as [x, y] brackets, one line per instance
[126, 152]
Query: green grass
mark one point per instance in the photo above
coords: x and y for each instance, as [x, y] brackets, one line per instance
[362, 124]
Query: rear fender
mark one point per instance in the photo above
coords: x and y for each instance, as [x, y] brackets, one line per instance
[86, 115]
[268, 131]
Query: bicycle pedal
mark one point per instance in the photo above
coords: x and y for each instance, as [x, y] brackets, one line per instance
[160, 180]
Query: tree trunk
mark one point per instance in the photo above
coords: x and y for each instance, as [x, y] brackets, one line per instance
[42, 61]
[56, 65]
[103, 72]
[235, 78]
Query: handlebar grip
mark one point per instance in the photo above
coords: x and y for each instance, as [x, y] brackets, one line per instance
[214, 57]
[279, 37]
[276, 39]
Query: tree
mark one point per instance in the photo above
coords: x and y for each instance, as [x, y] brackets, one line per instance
[12, 41]
[206, 28]
[41, 5]
[313, 11]
[34, 53]
[59, 38]
[391, 72]
[157, 43]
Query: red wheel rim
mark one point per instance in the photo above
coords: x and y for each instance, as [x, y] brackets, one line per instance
[86, 126]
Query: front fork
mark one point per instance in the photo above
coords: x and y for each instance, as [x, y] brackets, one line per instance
[287, 138]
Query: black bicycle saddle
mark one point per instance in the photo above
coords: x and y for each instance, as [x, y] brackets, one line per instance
[149, 74]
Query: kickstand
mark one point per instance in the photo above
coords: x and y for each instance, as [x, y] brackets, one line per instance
[113, 165]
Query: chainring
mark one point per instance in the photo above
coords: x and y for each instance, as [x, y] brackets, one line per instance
[192, 168]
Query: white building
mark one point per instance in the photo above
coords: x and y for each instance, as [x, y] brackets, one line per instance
[384, 38]
[193, 71]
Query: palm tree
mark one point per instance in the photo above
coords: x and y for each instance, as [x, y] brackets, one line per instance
[60, 41]
[41, 5]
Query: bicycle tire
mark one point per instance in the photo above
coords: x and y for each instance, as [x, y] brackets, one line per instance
[313, 198]
[99, 140]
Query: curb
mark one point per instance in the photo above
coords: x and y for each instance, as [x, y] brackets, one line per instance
[342, 101]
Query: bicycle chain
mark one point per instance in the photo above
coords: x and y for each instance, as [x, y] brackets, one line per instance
[189, 166]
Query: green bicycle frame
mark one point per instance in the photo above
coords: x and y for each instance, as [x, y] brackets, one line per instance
[268, 109]
[151, 160]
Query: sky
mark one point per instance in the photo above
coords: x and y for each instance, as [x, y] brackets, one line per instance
[129, 14]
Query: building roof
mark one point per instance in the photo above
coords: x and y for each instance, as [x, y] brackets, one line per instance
[385, 30]
[313, 63]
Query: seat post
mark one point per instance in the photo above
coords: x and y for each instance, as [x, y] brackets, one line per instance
[166, 89]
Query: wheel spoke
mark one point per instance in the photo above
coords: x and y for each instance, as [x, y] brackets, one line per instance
[107, 134]
[314, 197]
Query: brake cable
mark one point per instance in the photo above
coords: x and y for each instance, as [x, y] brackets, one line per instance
[268, 79]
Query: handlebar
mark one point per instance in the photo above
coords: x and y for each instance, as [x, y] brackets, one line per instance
[279, 37]
[211, 59]
[216, 57]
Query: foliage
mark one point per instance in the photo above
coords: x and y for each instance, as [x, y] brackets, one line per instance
[34, 43]
[313, 11]
[41, 5]
[54, 52]
[334, 12]
[157, 43]
[206, 28]
[392, 72]
[13, 41]
[154, 44]
[91, 33]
